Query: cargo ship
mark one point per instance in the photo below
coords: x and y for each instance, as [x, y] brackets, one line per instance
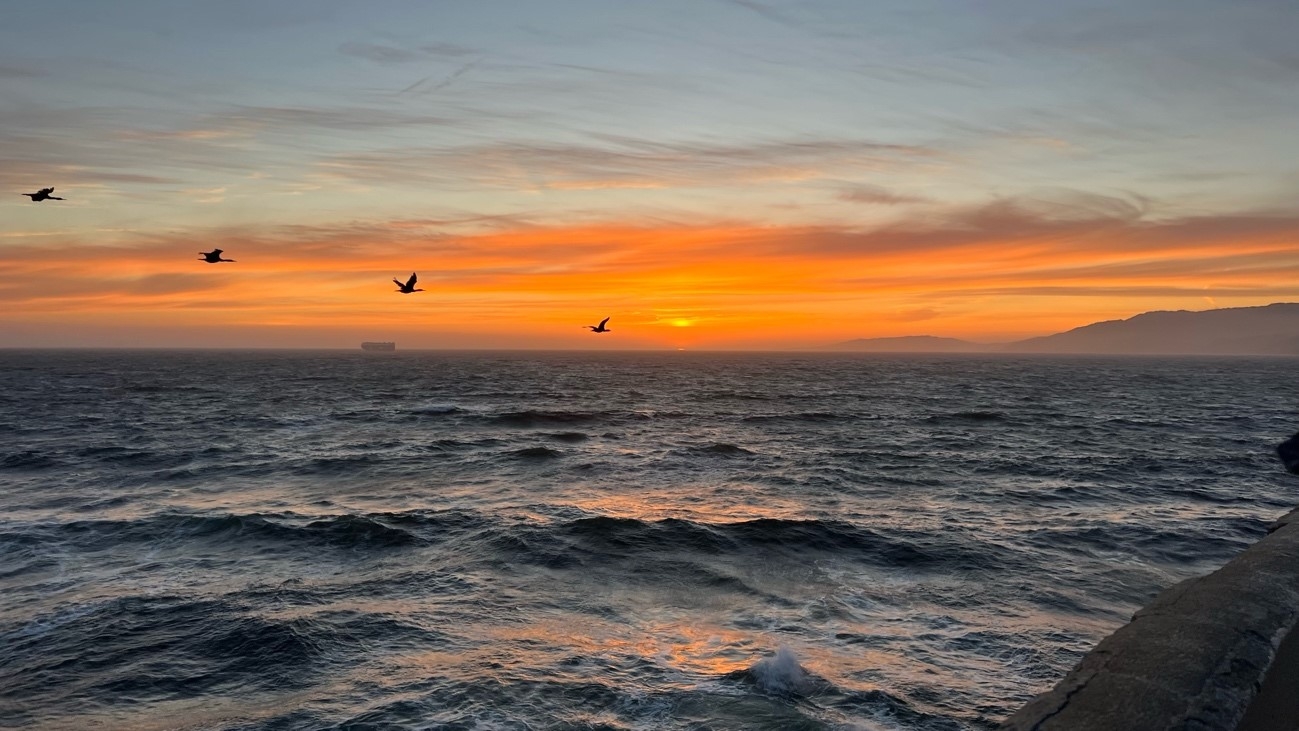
[385, 347]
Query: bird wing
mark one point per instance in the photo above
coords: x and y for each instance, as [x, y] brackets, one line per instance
[216, 252]
[602, 322]
[47, 191]
[411, 282]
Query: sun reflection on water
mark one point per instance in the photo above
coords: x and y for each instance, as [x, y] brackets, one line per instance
[700, 505]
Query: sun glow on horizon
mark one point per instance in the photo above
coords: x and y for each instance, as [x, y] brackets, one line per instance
[756, 286]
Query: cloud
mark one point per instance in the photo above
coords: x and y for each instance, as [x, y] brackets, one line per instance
[424, 87]
[390, 55]
[296, 119]
[205, 195]
[963, 265]
[875, 194]
[768, 12]
[1284, 293]
[25, 173]
[623, 163]
[450, 50]
[386, 55]
[85, 146]
[18, 72]
[71, 286]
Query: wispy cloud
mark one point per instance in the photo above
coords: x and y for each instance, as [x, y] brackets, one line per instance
[205, 195]
[18, 72]
[754, 278]
[429, 84]
[626, 163]
[388, 55]
[875, 194]
[381, 54]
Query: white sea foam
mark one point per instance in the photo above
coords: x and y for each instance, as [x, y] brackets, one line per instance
[781, 673]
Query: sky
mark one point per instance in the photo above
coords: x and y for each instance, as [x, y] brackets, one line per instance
[710, 174]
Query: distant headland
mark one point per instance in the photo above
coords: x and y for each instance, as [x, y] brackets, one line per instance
[1267, 330]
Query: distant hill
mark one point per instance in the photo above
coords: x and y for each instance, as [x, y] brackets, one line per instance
[912, 344]
[1269, 330]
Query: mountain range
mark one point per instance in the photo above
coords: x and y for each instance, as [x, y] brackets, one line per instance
[1268, 330]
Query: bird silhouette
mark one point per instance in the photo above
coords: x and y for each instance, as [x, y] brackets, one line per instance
[42, 194]
[600, 328]
[409, 286]
[212, 256]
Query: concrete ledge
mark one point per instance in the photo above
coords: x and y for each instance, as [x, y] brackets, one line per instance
[1193, 659]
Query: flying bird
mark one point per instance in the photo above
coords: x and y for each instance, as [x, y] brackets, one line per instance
[409, 286]
[600, 328]
[212, 256]
[42, 194]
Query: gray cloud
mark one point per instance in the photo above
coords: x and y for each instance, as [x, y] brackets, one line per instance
[622, 162]
[449, 50]
[389, 55]
[1037, 234]
[424, 87]
[386, 55]
[354, 118]
[18, 72]
[875, 194]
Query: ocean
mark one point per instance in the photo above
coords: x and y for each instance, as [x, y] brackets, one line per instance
[598, 540]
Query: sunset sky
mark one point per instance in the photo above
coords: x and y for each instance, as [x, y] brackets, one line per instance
[711, 174]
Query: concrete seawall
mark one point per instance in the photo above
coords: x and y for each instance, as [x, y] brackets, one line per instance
[1196, 657]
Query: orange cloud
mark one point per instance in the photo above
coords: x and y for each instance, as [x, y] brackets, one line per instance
[996, 272]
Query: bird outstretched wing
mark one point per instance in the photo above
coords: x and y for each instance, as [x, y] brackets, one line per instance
[411, 282]
[47, 191]
[602, 322]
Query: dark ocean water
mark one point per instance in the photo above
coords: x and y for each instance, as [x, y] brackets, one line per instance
[263, 540]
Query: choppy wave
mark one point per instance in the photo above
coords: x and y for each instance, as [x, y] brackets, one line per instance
[547, 418]
[28, 460]
[807, 417]
[967, 417]
[720, 541]
[721, 449]
[236, 531]
[537, 453]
